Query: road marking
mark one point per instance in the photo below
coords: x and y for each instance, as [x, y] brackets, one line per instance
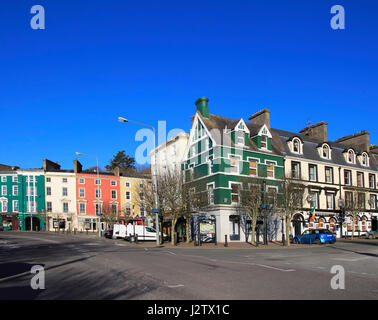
[175, 286]
[170, 252]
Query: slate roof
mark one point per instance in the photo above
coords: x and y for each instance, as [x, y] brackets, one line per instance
[221, 123]
[280, 146]
[310, 151]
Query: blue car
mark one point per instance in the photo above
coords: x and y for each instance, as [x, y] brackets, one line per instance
[317, 236]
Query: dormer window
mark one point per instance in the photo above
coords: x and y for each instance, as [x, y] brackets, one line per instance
[240, 138]
[241, 131]
[325, 152]
[365, 160]
[264, 142]
[351, 156]
[296, 145]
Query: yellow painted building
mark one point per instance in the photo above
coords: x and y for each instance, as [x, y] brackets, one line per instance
[131, 188]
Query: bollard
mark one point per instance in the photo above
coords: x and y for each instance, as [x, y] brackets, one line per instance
[136, 238]
[75, 231]
[225, 240]
[87, 231]
[175, 239]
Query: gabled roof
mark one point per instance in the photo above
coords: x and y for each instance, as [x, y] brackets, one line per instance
[217, 124]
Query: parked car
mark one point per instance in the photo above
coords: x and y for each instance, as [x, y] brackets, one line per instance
[372, 234]
[1, 228]
[108, 233]
[316, 236]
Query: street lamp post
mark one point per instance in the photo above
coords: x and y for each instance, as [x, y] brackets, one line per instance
[120, 119]
[98, 189]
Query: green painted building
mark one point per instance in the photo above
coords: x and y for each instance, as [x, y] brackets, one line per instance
[22, 199]
[225, 156]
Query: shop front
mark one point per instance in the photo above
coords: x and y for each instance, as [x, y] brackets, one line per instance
[31, 222]
[9, 221]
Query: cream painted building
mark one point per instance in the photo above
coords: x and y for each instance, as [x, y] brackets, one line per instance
[169, 154]
[60, 191]
[334, 173]
[132, 189]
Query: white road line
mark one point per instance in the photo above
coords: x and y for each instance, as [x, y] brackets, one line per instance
[175, 286]
[170, 252]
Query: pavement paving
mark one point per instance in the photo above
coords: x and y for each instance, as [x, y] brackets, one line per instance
[86, 267]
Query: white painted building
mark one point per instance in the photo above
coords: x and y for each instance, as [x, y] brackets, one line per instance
[169, 154]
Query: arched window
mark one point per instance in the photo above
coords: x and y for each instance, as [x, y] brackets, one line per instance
[356, 220]
[351, 156]
[325, 151]
[363, 223]
[332, 222]
[321, 223]
[296, 146]
[365, 160]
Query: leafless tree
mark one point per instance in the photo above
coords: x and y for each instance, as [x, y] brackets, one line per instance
[291, 202]
[354, 206]
[109, 213]
[251, 200]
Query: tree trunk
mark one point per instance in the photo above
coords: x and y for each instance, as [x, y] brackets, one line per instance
[187, 229]
[174, 221]
[287, 235]
[253, 233]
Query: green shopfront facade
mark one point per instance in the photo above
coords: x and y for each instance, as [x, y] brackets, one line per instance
[22, 199]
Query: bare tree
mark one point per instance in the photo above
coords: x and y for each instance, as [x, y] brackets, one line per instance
[354, 206]
[291, 202]
[174, 200]
[251, 200]
[110, 213]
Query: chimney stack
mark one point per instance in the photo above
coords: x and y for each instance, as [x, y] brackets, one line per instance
[77, 166]
[317, 131]
[260, 118]
[358, 140]
[50, 166]
[374, 148]
[202, 106]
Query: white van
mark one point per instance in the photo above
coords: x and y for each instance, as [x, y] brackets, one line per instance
[144, 233]
[119, 231]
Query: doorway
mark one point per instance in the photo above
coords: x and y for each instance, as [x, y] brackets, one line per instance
[35, 224]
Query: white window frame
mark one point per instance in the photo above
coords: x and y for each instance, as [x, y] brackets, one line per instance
[211, 197]
[98, 196]
[81, 192]
[81, 180]
[272, 164]
[15, 191]
[81, 206]
[4, 190]
[239, 188]
[3, 178]
[111, 194]
[14, 202]
[15, 178]
[128, 195]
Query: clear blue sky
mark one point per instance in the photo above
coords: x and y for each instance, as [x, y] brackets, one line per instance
[62, 88]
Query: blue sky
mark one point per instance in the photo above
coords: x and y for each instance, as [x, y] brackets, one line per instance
[62, 88]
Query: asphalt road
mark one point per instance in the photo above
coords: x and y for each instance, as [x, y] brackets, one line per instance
[80, 267]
